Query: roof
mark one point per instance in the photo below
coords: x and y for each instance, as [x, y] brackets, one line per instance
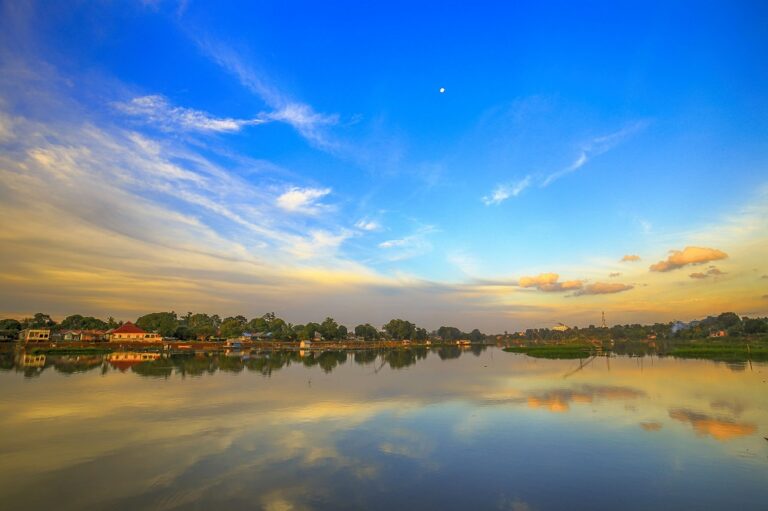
[128, 328]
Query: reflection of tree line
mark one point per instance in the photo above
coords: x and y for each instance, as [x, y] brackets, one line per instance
[263, 362]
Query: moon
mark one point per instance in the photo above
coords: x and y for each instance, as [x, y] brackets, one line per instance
[442, 90]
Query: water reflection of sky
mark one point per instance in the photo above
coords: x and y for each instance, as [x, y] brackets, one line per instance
[489, 431]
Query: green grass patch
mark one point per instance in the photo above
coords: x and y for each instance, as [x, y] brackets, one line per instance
[721, 352]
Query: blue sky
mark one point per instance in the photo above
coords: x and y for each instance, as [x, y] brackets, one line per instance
[298, 140]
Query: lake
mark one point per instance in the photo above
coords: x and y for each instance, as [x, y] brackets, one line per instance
[410, 429]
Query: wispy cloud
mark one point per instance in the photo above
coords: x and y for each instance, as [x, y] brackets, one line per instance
[596, 147]
[713, 271]
[301, 116]
[503, 192]
[409, 246]
[157, 110]
[630, 258]
[603, 288]
[303, 200]
[365, 224]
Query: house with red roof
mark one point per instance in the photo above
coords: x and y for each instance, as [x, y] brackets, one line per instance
[129, 332]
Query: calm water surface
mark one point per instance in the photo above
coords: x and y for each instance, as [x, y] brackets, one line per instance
[443, 429]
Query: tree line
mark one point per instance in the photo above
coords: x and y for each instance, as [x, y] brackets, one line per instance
[204, 326]
[268, 326]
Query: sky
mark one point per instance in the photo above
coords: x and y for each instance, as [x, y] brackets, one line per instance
[301, 158]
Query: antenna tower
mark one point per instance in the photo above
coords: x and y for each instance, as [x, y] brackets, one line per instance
[604, 325]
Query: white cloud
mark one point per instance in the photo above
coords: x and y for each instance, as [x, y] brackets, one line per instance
[301, 116]
[409, 246]
[503, 192]
[595, 147]
[157, 110]
[303, 200]
[365, 224]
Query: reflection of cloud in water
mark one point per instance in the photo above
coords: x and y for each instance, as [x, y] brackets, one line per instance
[719, 428]
[651, 426]
[558, 400]
[735, 407]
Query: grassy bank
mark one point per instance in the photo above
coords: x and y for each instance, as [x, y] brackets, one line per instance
[721, 352]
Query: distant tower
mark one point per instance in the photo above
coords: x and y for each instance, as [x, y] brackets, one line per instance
[604, 325]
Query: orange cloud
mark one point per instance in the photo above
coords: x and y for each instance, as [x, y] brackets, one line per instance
[718, 428]
[630, 258]
[548, 282]
[603, 288]
[651, 426]
[614, 274]
[703, 275]
[689, 255]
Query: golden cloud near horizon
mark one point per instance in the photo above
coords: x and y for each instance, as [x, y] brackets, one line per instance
[689, 255]
[548, 282]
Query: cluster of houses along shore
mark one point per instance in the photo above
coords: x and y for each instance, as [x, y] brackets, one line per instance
[128, 332]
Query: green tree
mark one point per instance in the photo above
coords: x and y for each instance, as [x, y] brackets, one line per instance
[78, 322]
[727, 320]
[400, 329]
[39, 320]
[164, 323]
[367, 332]
[476, 335]
[233, 327]
[202, 326]
[755, 326]
[10, 325]
[309, 331]
[329, 329]
[257, 325]
[449, 333]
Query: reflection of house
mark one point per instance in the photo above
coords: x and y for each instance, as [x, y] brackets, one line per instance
[305, 344]
[30, 360]
[130, 332]
[84, 335]
[35, 335]
[123, 360]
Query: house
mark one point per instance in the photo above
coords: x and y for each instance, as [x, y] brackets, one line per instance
[84, 335]
[718, 333]
[35, 335]
[560, 328]
[463, 342]
[131, 333]
[305, 345]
